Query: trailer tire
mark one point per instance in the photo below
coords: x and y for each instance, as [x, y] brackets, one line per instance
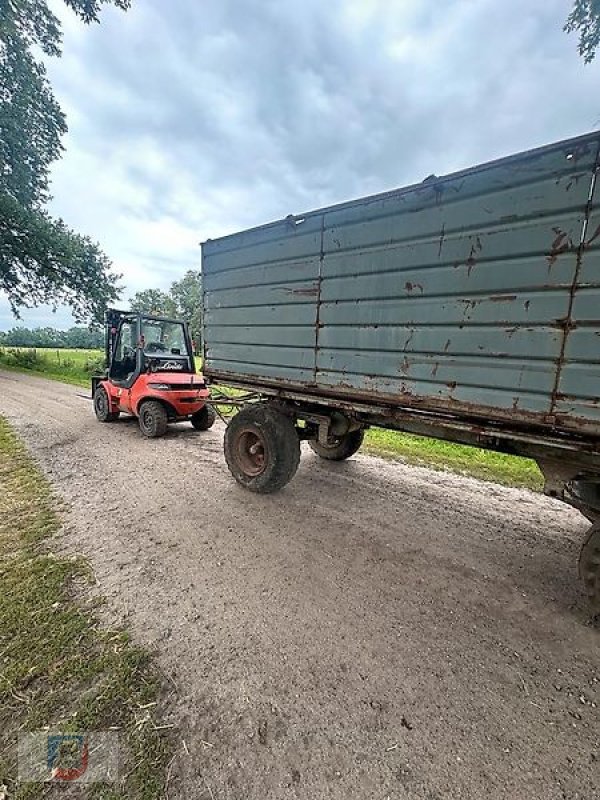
[342, 447]
[102, 406]
[204, 419]
[153, 419]
[589, 566]
[262, 448]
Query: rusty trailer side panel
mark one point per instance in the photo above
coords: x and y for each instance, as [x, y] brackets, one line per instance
[477, 293]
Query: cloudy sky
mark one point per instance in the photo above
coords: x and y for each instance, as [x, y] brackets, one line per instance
[189, 119]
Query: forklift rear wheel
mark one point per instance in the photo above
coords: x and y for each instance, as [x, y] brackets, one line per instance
[589, 566]
[340, 447]
[153, 419]
[262, 448]
[204, 419]
[102, 406]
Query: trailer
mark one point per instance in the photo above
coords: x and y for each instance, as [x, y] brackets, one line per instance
[465, 307]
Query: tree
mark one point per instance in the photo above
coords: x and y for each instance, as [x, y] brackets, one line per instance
[153, 301]
[187, 294]
[585, 19]
[41, 259]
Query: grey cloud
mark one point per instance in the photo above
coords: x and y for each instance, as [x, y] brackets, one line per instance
[202, 118]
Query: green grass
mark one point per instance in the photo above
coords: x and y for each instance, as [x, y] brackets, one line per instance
[76, 366]
[58, 667]
[483, 464]
[69, 366]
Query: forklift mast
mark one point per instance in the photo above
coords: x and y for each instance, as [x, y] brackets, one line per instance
[112, 320]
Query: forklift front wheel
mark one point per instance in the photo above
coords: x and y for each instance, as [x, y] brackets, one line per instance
[102, 406]
[204, 419]
[153, 419]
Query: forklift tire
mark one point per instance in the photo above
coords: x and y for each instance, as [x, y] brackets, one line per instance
[102, 406]
[589, 567]
[204, 419]
[262, 448]
[341, 447]
[153, 419]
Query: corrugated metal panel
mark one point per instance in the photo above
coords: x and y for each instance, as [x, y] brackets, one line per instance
[578, 385]
[451, 294]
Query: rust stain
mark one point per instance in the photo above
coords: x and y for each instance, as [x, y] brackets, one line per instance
[435, 369]
[410, 286]
[409, 340]
[447, 345]
[308, 291]
[442, 235]
[526, 304]
[502, 298]
[560, 244]
[476, 248]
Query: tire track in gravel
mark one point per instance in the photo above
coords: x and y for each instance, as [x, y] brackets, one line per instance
[374, 630]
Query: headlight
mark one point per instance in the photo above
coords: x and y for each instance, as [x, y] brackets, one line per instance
[162, 387]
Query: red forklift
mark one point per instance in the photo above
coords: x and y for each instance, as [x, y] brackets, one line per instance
[150, 374]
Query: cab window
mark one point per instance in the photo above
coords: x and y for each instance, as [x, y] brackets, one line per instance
[163, 338]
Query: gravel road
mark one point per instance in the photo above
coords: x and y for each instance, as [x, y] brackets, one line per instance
[375, 630]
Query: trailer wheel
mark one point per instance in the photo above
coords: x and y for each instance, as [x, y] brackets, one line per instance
[153, 419]
[341, 447]
[204, 419]
[102, 406]
[262, 448]
[589, 566]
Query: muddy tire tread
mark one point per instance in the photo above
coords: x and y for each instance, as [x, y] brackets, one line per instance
[282, 447]
[348, 446]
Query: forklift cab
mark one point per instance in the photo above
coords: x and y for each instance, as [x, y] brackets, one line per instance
[150, 374]
[138, 343]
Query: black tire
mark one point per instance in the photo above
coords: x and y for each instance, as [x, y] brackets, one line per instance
[341, 447]
[204, 419]
[153, 419]
[589, 566]
[102, 406]
[262, 448]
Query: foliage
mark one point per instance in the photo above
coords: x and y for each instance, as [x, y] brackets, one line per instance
[67, 365]
[41, 259]
[75, 337]
[154, 301]
[585, 19]
[183, 301]
[22, 359]
[187, 294]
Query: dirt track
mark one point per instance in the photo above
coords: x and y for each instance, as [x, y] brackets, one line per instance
[373, 631]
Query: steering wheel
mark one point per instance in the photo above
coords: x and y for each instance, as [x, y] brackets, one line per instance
[155, 347]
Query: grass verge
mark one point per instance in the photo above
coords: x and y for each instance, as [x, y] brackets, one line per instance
[59, 668]
[68, 366]
[465, 460]
[77, 366]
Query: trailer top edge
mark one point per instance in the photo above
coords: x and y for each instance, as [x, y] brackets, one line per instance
[574, 142]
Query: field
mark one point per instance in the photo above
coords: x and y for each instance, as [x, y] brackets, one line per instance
[69, 366]
[76, 367]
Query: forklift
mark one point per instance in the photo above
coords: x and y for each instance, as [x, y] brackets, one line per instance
[150, 374]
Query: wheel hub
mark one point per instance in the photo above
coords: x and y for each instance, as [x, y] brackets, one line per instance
[251, 452]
